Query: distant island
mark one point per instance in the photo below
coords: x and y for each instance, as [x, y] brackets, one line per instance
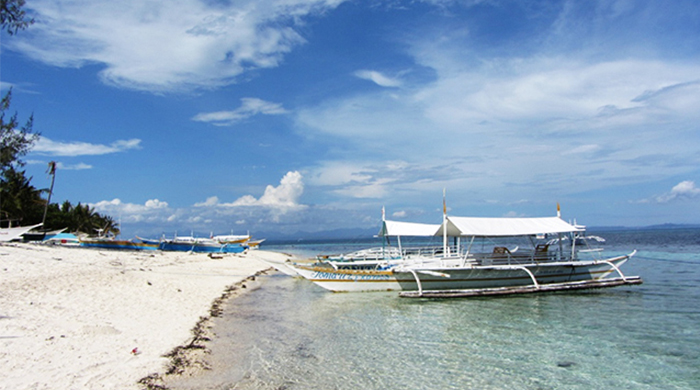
[364, 233]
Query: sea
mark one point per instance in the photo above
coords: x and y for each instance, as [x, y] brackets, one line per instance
[290, 334]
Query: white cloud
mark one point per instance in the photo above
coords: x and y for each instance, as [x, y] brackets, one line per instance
[376, 189]
[276, 205]
[683, 190]
[508, 122]
[153, 210]
[583, 149]
[54, 148]
[285, 196]
[163, 46]
[399, 214]
[211, 201]
[274, 202]
[340, 172]
[378, 78]
[73, 167]
[62, 166]
[248, 108]
[156, 204]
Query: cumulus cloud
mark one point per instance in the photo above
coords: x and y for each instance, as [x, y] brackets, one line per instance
[274, 202]
[284, 196]
[156, 215]
[153, 210]
[163, 46]
[378, 78]
[249, 107]
[55, 148]
[211, 201]
[683, 190]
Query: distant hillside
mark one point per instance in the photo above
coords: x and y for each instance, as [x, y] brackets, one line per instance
[665, 226]
[336, 234]
[354, 234]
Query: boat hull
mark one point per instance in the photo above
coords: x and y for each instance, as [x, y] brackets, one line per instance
[9, 234]
[118, 244]
[457, 278]
[201, 248]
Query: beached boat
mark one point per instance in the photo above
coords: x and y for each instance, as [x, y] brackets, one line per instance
[375, 258]
[201, 245]
[232, 239]
[481, 263]
[110, 243]
[14, 233]
[254, 244]
[41, 235]
[67, 239]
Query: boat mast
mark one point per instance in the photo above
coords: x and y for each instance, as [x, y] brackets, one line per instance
[445, 246]
[561, 245]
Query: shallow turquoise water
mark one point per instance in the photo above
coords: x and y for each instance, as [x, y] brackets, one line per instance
[290, 334]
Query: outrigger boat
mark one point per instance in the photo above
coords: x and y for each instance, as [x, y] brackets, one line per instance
[41, 235]
[13, 233]
[376, 258]
[481, 263]
[386, 254]
[110, 243]
[201, 245]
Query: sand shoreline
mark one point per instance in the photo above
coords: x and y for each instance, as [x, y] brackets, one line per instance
[77, 318]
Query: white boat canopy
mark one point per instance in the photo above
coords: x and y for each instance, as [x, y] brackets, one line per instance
[408, 229]
[503, 227]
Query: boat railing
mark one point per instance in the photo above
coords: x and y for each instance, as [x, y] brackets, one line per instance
[504, 256]
[429, 251]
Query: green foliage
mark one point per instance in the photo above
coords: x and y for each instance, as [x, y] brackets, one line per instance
[23, 204]
[15, 141]
[80, 218]
[13, 17]
[20, 201]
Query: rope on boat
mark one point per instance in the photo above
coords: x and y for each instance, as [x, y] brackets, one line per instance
[666, 260]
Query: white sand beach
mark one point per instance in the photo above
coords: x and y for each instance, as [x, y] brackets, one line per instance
[77, 318]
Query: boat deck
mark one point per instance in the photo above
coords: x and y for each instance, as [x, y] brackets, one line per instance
[579, 285]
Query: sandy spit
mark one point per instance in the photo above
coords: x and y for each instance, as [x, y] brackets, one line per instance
[77, 318]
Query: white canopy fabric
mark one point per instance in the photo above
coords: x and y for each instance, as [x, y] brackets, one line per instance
[502, 227]
[408, 229]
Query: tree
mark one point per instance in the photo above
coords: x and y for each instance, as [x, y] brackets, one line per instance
[13, 16]
[20, 200]
[15, 141]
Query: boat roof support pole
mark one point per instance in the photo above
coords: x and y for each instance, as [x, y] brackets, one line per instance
[469, 248]
[445, 246]
[561, 247]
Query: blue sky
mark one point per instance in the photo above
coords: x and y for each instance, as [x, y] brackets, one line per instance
[302, 116]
